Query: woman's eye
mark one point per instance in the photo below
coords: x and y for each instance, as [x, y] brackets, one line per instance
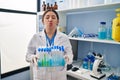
[53, 17]
[47, 17]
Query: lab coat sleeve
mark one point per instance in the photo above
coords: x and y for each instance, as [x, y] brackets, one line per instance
[68, 50]
[31, 50]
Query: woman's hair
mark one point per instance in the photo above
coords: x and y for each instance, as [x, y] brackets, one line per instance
[50, 11]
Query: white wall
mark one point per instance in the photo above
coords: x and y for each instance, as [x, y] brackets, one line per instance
[15, 32]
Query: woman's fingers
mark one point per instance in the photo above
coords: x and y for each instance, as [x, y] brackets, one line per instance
[66, 59]
[35, 58]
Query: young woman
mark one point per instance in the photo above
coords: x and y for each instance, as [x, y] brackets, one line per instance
[50, 36]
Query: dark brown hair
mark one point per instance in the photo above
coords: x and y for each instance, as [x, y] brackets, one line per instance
[49, 11]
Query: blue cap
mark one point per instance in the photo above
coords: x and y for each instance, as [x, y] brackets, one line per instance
[102, 22]
[45, 49]
[49, 49]
[85, 59]
[63, 48]
[39, 49]
[42, 49]
[55, 47]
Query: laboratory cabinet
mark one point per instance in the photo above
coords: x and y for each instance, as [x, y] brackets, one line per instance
[87, 19]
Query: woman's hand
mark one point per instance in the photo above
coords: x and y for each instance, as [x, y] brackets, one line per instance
[34, 59]
[66, 59]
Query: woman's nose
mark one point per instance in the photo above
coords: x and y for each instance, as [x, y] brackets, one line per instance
[50, 19]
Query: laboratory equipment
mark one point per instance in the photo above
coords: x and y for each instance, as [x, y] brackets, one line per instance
[96, 72]
[113, 77]
[91, 58]
[50, 59]
[90, 35]
[85, 63]
[75, 69]
[76, 32]
[91, 64]
[116, 26]
[51, 56]
[109, 33]
[102, 31]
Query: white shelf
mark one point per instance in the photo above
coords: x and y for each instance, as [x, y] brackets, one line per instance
[95, 40]
[88, 8]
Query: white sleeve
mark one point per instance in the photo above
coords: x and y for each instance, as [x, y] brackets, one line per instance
[68, 50]
[31, 50]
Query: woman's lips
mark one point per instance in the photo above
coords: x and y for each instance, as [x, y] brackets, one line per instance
[50, 23]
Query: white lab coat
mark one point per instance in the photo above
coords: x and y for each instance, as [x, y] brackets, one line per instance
[39, 39]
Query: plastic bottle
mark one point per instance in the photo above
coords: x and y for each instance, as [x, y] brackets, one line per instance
[91, 63]
[85, 63]
[116, 26]
[91, 59]
[102, 32]
[90, 55]
[109, 33]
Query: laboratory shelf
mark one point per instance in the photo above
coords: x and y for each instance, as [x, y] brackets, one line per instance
[88, 8]
[95, 40]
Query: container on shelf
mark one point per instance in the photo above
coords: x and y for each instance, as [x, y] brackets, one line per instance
[85, 63]
[116, 26]
[109, 32]
[102, 32]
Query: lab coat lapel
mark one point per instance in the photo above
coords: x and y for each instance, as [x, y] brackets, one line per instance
[57, 38]
[43, 37]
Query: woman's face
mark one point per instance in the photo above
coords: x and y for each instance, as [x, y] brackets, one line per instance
[50, 20]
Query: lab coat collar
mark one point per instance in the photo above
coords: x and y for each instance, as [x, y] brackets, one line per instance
[42, 33]
[43, 36]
